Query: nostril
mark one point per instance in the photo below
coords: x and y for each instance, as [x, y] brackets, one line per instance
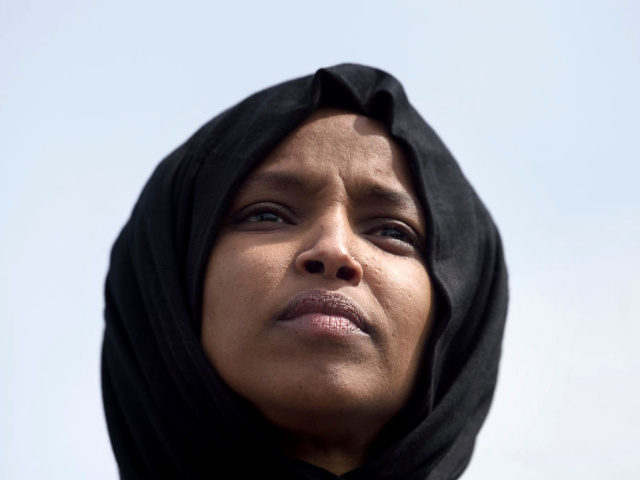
[314, 266]
[345, 273]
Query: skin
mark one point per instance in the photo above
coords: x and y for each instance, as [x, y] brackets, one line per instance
[318, 200]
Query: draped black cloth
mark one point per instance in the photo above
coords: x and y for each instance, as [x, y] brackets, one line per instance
[168, 412]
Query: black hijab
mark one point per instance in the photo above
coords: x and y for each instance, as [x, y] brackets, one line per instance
[170, 415]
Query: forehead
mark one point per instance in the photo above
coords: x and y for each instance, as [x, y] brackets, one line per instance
[356, 148]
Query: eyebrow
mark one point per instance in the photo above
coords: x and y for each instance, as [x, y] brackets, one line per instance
[380, 194]
[367, 194]
[275, 180]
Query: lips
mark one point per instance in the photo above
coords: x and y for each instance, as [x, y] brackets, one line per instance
[328, 303]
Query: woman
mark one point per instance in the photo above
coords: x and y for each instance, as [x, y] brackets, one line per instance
[307, 288]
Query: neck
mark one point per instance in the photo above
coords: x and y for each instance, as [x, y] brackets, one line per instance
[338, 456]
[337, 441]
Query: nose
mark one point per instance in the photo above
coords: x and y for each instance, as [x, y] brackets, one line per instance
[326, 251]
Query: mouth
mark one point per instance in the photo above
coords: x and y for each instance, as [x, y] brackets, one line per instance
[323, 310]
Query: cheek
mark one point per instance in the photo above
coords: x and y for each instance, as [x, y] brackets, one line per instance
[238, 285]
[239, 274]
[404, 292]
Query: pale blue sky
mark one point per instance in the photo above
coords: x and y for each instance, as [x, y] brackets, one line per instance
[539, 102]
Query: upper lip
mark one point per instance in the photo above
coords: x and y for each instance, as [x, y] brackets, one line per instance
[328, 303]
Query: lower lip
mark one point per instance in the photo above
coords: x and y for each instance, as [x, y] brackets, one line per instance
[322, 324]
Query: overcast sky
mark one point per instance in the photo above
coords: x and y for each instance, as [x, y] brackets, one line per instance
[539, 102]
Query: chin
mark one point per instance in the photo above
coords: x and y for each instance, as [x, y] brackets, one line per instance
[322, 399]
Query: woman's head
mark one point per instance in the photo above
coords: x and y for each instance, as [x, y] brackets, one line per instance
[327, 227]
[280, 269]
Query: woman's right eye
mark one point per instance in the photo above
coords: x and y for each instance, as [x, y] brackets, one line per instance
[264, 216]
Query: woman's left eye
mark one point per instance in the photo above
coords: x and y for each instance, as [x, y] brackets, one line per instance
[394, 232]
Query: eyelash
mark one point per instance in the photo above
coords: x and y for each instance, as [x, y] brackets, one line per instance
[250, 214]
[246, 214]
[406, 235]
[278, 217]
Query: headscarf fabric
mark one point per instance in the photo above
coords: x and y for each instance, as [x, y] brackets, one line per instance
[170, 415]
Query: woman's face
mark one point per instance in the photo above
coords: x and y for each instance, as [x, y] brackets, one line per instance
[316, 299]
